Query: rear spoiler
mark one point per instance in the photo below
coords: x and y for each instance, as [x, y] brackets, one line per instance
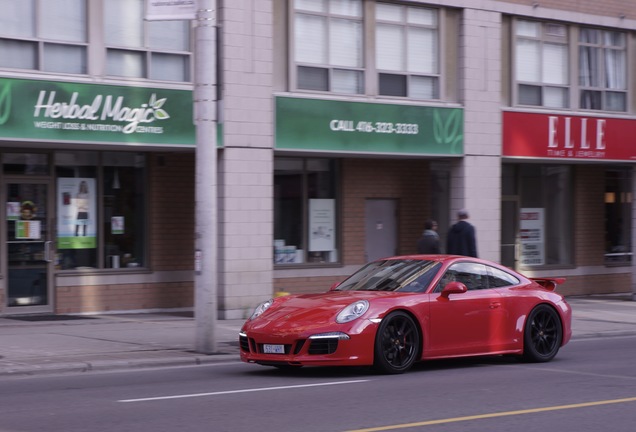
[549, 283]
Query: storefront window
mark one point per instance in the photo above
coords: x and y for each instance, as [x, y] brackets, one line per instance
[305, 211]
[618, 215]
[545, 226]
[77, 218]
[124, 210]
[100, 210]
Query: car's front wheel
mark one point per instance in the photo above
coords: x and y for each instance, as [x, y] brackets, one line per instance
[543, 334]
[397, 343]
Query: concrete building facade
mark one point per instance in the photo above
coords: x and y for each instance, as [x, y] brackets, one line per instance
[343, 126]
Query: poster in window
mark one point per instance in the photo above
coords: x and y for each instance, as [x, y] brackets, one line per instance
[76, 213]
[28, 230]
[322, 225]
[532, 229]
[117, 225]
[13, 210]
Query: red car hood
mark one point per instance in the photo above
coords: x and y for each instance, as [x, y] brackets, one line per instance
[311, 311]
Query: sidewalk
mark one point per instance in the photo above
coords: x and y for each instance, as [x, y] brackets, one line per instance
[110, 342]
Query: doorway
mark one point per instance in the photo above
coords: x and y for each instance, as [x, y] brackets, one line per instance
[380, 228]
[29, 249]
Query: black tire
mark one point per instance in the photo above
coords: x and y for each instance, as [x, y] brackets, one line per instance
[397, 343]
[542, 334]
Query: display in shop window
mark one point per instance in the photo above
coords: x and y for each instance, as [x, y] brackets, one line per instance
[76, 213]
[117, 225]
[532, 234]
[322, 225]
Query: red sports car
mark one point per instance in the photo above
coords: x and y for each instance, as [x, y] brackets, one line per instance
[396, 311]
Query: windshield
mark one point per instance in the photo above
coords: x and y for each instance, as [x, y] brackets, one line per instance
[392, 275]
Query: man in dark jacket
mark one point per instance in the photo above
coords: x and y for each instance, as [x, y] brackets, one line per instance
[461, 239]
[428, 243]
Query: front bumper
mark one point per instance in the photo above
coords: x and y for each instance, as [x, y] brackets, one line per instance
[321, 347]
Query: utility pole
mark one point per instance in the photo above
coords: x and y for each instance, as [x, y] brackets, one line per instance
[206, 214]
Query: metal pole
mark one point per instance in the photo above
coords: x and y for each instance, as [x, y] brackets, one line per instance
[205, 279]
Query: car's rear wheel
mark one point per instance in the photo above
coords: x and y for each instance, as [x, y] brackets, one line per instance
[543, 334]
[397, 343]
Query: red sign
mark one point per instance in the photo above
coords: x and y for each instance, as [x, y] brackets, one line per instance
[577, 137]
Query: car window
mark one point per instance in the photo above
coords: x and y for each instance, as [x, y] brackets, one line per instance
[421, 281]
[392, 275]
[473, 275]
[499, 278]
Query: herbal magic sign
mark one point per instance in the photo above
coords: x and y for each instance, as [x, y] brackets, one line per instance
[59, 111]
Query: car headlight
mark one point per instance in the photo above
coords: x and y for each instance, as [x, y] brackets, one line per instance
[261, 308]
[353, 311]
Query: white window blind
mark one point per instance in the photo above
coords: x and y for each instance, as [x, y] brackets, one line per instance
[422, 51]
[124, 29]
[390, 53]
[63, 20]
[345, 44]
[555, 64]
[16, 18]
[311, 39]
[527, 60]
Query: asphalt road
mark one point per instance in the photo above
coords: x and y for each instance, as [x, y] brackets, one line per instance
[590, 386]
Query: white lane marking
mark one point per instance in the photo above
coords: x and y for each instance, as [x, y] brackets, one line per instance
[241, 391]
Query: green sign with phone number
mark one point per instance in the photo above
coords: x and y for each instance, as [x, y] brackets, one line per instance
[366, 127]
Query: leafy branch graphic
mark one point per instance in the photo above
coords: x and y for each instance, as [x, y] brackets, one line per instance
[5, 103]
[156, 104]
[448, 132]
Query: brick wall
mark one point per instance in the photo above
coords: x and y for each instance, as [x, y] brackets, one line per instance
[408, 181]
[101, 298]
[596, 284]
[589, 214]
[171, 212]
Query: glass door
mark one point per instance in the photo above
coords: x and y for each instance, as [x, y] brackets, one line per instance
[29, 247]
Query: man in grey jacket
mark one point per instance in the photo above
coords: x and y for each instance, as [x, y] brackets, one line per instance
[428, 243]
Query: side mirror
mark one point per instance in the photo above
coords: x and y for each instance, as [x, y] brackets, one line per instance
[334, 286]
[453, 288]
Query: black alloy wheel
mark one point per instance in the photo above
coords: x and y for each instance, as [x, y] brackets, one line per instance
[397, 343]
[543, 334]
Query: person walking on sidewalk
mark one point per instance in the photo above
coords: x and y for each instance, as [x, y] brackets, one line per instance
[461, 239]
[428, 243]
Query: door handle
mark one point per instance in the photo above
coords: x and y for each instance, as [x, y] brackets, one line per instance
[494, 305]
[47, 251]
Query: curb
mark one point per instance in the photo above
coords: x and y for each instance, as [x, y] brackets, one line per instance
[25, 370]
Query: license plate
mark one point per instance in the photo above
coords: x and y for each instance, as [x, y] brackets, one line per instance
[273, 349]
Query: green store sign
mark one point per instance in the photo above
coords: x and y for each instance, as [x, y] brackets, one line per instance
[364, 127]
[51, 111]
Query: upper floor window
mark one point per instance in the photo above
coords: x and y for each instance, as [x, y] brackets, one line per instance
[602, 70]
[541, 64]
[45, 35]
[332, 52]
[158, 50]
[407, 51]
[328, 38]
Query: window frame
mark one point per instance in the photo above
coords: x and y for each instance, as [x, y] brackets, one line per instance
[543, 39]
[40, 43]
[601, 66]
[370, 74]
[147, 52]
[409, 75]
[142, 234]
[618, 208]
[307, 260]
[330, 69]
